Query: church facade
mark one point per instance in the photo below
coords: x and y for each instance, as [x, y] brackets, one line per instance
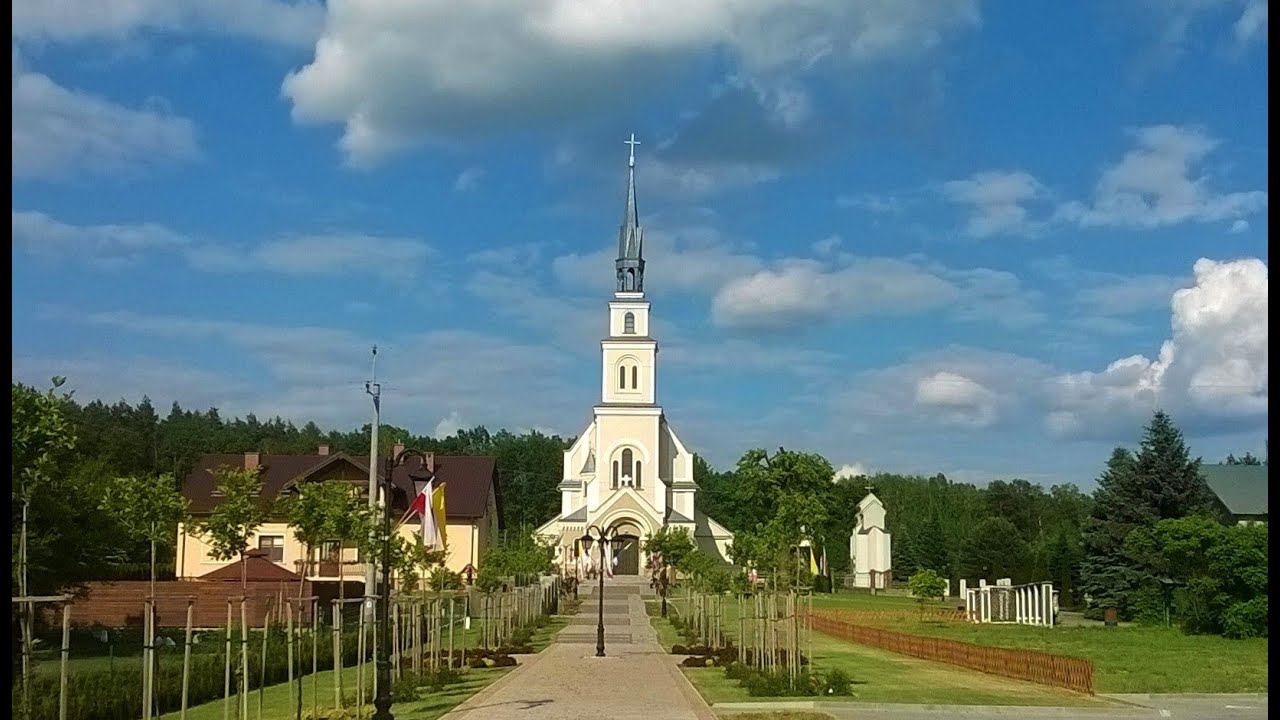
[628, 471]
[870, 546]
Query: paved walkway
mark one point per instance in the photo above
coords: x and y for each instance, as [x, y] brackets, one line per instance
[636, 680]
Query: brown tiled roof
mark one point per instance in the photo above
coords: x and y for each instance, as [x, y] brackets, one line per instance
[257, 567]
[467, 479]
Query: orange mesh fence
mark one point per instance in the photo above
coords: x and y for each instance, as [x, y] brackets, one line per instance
[1034, 666]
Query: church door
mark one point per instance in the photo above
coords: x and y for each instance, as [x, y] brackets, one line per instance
[626, 548]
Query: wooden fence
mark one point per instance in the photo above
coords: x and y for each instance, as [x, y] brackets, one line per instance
[119, 604]
[1034, 666]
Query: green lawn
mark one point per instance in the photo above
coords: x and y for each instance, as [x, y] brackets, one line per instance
[888, 678]
[276, 698]
[1133, 659]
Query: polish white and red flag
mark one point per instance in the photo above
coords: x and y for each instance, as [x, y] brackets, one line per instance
[423, 507]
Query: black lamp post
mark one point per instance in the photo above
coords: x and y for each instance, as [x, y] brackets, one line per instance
[382, 703]
[600, 537]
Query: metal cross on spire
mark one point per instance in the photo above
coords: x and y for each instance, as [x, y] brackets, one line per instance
[633, 142]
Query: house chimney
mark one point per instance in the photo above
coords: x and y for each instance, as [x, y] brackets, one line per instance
[397, 449]
[429, 462]
[323, 450]
[251, 461]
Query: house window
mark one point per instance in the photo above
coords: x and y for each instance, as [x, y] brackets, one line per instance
[273, 545]
[629, 324]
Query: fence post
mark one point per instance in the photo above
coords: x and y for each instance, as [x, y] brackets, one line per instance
[66, 655]
[186, 662]
[244, 660]
[147, 646]
[226, 680]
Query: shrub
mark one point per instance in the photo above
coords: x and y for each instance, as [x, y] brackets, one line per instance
[838, 682]
[1246, 619]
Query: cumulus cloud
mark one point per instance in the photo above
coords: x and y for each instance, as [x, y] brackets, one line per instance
[799, 291]
[1213, 368]
[398, 74]
[58, 132]
[448, 425]
[1157, 184]
[961, 387]
[852, 470]
[997, 200]
[286, 22]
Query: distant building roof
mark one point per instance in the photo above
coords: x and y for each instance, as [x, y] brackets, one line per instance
[1241, 488]
[467, 478]
[257, 567]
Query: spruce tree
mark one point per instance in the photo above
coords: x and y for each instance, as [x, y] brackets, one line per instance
[1161, 481]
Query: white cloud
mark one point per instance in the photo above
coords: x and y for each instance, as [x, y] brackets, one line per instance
[872, 202]
[997, 199]
[1239, 226]
[1125, 295]
[1154, 185]
[468, 179]
[1213, 368]
[113, 246]
[695, 180]
[827, 245]
[287, 22]
[317, 373]
[402, 73]
[961, 387]
[799, 291]
[958, 399]
[448, 425]
[58, 132]
[852, 470]
[1252, 24]
[104, 246]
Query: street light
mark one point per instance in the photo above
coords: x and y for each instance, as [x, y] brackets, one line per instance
[600, 537]
[382, 703]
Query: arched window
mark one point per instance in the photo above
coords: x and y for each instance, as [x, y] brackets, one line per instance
[635, 377]
[637, 475]
[629, 324]
[626, 462]
[622, 377]
[615, 474]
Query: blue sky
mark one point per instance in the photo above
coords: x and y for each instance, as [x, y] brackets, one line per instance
[984, 239]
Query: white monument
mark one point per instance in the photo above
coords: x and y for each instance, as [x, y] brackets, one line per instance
[869, 546]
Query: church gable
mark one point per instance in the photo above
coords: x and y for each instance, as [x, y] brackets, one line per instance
[628, 501]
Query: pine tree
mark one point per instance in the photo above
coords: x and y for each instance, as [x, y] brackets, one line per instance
[1161, 481]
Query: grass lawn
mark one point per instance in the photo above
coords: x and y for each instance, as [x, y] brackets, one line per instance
[276, 704]
[276, 698]
[885, 677]
[1132, 659]
[782, 715]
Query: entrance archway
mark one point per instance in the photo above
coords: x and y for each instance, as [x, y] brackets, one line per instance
[626, 548]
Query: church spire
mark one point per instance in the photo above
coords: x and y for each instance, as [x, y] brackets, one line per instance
[630, 262]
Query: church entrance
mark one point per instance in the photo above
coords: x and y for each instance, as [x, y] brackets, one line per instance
[626, 548]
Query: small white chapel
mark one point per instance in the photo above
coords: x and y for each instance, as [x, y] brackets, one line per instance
[870, 554]
[628, 471]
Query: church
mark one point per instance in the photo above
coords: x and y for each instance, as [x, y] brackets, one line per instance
[628, 471]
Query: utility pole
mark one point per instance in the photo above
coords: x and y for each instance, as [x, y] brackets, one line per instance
[375, 391]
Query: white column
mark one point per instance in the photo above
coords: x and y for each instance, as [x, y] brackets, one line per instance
[964, 588]
[1039, 603]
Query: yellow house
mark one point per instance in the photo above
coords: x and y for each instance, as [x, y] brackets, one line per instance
[471, 505]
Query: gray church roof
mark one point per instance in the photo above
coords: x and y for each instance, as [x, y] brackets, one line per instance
[675, 517]
[579, 515]
[1241, 488]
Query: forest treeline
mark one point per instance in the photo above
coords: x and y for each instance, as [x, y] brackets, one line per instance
[1007, 528]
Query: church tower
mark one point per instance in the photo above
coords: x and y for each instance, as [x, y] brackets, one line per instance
[628, 470]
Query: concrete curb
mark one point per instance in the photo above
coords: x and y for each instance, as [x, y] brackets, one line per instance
[1021, 711]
